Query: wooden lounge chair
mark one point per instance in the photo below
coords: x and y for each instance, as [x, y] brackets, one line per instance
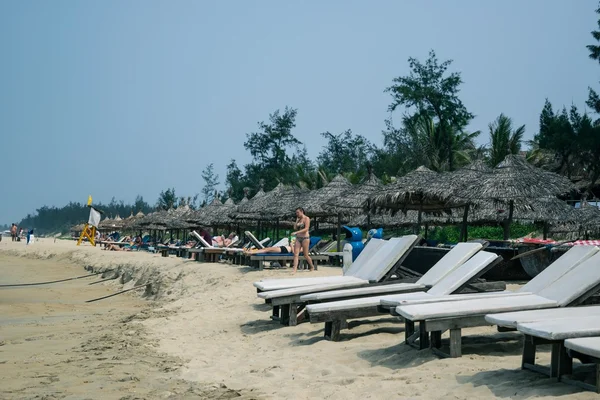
[555, 332]
[379, 269]
[211, 253]
[259, 260]
[588, 350]
[335, 313]
[364, 260]
[565, 263]
[575, 286]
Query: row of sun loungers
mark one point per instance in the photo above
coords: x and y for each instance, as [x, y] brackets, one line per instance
[447, 299]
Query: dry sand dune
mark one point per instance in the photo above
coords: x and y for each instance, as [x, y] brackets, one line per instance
[202, 333]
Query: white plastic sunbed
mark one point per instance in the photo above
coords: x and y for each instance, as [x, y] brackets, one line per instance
[373, 271]
[377, 269]
[555, 332]
[335, 313]
[572, 288]
[363, 259]
[512, 319]
[587, 349]
[558, 268]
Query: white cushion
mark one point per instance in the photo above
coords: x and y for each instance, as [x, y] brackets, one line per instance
[511, 319]
[462, 274]
[365, 255]
[572, 258]
[390, 301]
[300, 290]
[278, 284]
[466, 308]
[576, 282]
[385, 259]
[362, 291]
[457, 256]
[352, 304]
[561, 329]
[588, 345]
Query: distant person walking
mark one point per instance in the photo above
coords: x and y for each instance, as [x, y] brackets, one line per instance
[13, 232]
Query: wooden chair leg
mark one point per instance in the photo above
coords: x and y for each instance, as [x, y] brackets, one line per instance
[528, 352]
[564, 364]
[285, 314]
[423, 337]
[455, 343]
[293, 314]
[436, 339]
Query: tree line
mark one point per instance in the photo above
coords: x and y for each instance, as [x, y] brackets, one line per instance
[432, 131]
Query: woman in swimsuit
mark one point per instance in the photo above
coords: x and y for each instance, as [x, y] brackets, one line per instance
[302, 238]
[276, 249]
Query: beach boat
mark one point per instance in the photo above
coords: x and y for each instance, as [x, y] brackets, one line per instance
[421, 258]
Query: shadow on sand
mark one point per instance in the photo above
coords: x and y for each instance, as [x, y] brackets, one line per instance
[517, 383]
[260, 326]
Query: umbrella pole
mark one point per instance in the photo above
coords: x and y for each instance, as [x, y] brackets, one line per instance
[546, 229]
[507, 222]
[464, 234]
[339, 232]
[418, 227]
[277, 225]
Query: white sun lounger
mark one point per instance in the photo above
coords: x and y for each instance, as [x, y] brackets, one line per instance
[363, 259]
[586, 349]
[555, 332]
[378, 269]
[457, 256]
[512, 319]
[572, 258]
[335, 313]
[380, 264]
[572, 288]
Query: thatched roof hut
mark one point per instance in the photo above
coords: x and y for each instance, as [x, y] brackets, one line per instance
[285, 204]
[512, 180]
[111, 224]
[253, 210]
[352, 201]
[515, 185]
[421, 189]
[315, 202]
[215, 213]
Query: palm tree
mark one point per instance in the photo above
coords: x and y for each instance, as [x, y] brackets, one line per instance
[428, 144]
[504, 140]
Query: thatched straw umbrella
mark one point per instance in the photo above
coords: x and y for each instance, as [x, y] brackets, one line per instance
[253, 210]
[353, 201]
[316, 202]
[514, 183]
[422, 190]
[213, 214]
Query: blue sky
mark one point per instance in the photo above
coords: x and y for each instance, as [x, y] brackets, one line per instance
[119, 98]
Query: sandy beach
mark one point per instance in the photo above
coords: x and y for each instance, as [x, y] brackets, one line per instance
[201, 332]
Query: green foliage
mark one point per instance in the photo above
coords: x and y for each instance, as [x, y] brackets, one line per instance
[270, 148]
[234, 180]
[167, 199]
[53, 219]
[451, 234]
[429, 92]
[503, 139]
[211, 181]
[345, 153]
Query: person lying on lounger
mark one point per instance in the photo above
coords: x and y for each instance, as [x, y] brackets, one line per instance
[222, 241]
[275, 250]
